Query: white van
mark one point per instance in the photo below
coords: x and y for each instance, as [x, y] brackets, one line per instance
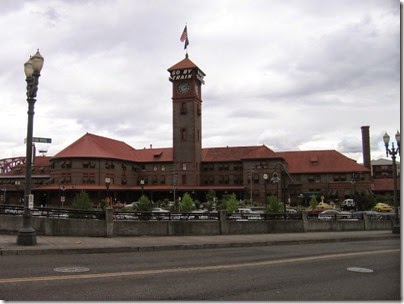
[348, 204]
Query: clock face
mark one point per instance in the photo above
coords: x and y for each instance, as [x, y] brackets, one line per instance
[183, 87]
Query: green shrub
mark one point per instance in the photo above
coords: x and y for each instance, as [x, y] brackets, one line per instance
[232, 203]
[144, 204]
[187, 203]
[82, 201]
[274, 205]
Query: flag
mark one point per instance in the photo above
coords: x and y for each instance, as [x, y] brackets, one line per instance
[184, 37]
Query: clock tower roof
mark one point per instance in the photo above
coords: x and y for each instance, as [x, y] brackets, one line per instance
[185, 63]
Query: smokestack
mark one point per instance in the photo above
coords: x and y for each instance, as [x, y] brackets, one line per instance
[366, 147]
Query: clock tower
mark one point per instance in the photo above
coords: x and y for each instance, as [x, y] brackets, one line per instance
[187, 80]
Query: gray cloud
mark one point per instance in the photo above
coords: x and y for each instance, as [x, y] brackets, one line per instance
[290, 74]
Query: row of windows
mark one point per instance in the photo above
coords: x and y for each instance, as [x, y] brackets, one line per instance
[111, 165]
[223, 180]
[89, 178]
[222, 167]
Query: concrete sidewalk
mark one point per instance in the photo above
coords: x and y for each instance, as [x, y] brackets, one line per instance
[75, 245]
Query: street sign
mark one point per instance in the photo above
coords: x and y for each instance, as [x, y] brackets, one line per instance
[40, 140]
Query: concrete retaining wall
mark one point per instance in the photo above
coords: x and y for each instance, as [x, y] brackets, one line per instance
[110, 228]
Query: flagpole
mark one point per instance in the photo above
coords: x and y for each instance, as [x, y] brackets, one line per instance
[184, 38]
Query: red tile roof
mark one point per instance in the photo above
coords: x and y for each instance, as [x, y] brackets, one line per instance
[186, 63]
[95, 146]
[237, 153]
[155, 155]
[320, 161]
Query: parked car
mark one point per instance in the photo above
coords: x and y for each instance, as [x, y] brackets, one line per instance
[244, 210]
[348, 204]
[245, 214]
[131, 205]
[327, 215]
[258, 209]
[382, 207]
[159, 210]
[324, 206]
[118, 206]
[372, 215]
[199, 215]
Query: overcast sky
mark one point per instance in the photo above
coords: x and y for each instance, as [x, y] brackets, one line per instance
[293, 75]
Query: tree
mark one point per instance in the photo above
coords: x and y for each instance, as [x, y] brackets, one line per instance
[144, 204]
[82, 201]
[210, 195]
[364, 200]
[187, 203]
[274, 205]
[313, 202]
[232, 203]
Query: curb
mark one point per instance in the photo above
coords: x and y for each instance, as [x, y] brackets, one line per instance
[53, 251]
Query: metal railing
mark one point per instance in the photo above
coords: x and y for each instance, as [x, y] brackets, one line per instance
[264, 216]
[53, 212]
[124, 215]
[167, 216]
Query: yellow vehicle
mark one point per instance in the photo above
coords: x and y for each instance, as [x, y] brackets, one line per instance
[323, 206]
[382, 207]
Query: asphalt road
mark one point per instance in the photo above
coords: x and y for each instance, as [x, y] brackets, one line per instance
[305, 272]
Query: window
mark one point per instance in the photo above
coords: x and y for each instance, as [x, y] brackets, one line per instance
[88, 178]
[66, 179]
[109, 165]
[66, 164]
[184, 167]
[183, 108]
[162, 179]
[183, 134]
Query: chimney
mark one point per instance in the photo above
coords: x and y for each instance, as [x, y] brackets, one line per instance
[366, 147]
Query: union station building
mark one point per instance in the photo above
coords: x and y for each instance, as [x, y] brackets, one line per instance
[251, 172]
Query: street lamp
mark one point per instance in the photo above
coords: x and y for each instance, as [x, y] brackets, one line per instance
[107, 183]
[142, 184]
[4, 195]
[265, 176]
[393, 152]
[32, 68]
[17, 186]
[251, 186]
[62, 197]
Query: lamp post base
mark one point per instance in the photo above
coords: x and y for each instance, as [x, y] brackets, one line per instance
[396, 228]
[26, 237]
